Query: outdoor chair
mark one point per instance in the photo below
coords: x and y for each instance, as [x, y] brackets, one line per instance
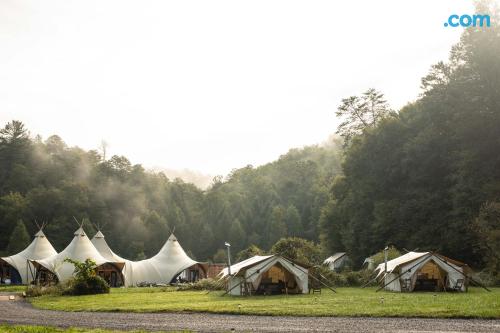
[405, 284]
[458, 285]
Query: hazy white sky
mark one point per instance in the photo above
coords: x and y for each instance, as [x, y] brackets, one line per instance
[209, 85]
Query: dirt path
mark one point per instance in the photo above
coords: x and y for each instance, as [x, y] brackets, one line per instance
[21, 312]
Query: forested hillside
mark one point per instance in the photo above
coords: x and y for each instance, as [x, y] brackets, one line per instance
[48, 181]
[419, 178]
[425, 177]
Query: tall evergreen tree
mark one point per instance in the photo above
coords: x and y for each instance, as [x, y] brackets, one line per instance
[19, 239]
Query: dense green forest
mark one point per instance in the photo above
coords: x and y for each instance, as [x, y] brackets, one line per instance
[419, 178]
[48, 181]
[425, 177]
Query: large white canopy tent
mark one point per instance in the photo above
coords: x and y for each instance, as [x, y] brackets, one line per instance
[39, 248]
[80, 249]
[168, 263]
[251, 273]
[103, 248]
[407, 271]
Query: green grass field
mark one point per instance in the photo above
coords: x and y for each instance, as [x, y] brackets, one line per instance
[477, 303]
[44, 329]
[13, 288]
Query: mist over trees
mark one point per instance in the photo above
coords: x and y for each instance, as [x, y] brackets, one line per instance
[426, 177]
[137, 209]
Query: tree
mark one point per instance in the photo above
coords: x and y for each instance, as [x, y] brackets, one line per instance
[19, 239]
[251, 251]
[361, 113]
[237, 235]
[301, 250]
[277, 227]
[220, 256]
[487, 229]
[293, 222]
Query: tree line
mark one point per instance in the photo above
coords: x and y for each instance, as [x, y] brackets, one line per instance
[424, 177]
[47, 181]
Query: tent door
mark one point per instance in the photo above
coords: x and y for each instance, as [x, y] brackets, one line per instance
[277, 280]
[430, 277]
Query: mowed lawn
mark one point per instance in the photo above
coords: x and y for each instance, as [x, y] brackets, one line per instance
[477, 303]
[12, 288]
[45, 329]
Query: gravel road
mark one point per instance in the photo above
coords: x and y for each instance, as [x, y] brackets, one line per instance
[21, 312]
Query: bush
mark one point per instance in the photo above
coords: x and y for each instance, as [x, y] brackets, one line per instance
[343, 279]
[36, 291]
[487, 278]
[92, 285]
[203, 284]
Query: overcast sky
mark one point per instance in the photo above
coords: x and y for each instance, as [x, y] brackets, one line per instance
[209, 85]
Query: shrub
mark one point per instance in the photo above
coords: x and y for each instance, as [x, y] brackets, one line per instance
[36, 291]
[203, 284]
[92, 285]
[487, 278]
[343, 279]
[86, 282]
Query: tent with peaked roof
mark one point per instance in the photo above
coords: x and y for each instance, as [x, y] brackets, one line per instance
[166, 265]
[99, 241]
[267, 275]
[337, 261]
[80, 249]
[39, 248]
[424, 271]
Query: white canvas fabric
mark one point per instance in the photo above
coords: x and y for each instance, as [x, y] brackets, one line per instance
[336, 261]
[252, 269]
[394, 263]
[103, 248]
[80, 248]
[242, 264]
[407, 268]
[170, 261]
[39, 248]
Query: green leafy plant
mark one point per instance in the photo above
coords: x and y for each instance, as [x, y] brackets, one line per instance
[86, 282]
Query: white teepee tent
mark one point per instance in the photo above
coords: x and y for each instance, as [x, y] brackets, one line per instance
[39, 248]
[81, 249]
[103, 248]
[170, 261]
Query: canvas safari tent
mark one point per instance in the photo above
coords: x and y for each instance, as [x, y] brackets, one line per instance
[337, 261]
[270, 274]
[418, 271]
[163, 268]
[17, 268]
[54, 268]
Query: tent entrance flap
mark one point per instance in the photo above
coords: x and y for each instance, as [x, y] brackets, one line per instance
[9, 274]
[44, 277]
[430, 277]
[111, 273]
[277, 280]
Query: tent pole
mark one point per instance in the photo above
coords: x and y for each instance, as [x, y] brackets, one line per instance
[366, 284]
[479, 284]
[239, 284]
[408, 270]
